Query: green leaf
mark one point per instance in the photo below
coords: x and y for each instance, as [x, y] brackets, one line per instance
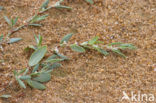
[37, 18]
[14, 40]
[44, 5]
[37, 55]
[54, 56]
[127, 46]
[1, 38]
[14, 21]
[63, 7]
[35, 84]
[66, 38]
[53, 60]
[26, 71]
[25, 77]
[53, 66]
[21, 71]
[40, 40]
[5, 96]
[102, 51]
[93, 41]
[38, 25]
[30, 47]
[77, 48]
[116, 43]
[7, 20]
[118, 52]
[99, 42]
[36, 67]
[90, 1]
[62, 56]
[21, 83]
[43, 77]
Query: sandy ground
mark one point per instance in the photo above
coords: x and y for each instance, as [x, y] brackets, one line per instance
[88, 77]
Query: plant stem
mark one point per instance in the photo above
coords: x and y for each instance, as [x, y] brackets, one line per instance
[16, 29]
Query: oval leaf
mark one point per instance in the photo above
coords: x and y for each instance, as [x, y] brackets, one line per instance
[54, 60]
[37, 55]
[44, 77]
[35, 84]
[21, 83]
[66, 38]
[13, 40]
[77, 48]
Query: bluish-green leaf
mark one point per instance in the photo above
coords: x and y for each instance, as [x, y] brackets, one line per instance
[21, 71]
[90, 1]
[127, 46]
[35, 84]
[37, 55]
[53, 60]
[1, 38]
[26, 71]
[43, 77]
[93, 41]
[77, 48]
[54, 56]
[66, 38]
[21, 83]
[63, 7]
[62, 56]
[5, 96]
[7, 20]
[54, 65]
[14, 40]
[36, 67]
[102, 51]
[38, 18]
[116, 43]
[14, 21]
[118, 52]
[44, 5]
[37, 25]
[25, 77]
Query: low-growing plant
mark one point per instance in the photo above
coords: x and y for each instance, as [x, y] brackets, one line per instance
[95, 44]
[33, 21]
[57, 5]
[11, 22]
[39, 70]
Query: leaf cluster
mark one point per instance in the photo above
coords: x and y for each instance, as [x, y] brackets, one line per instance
[41, 69]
